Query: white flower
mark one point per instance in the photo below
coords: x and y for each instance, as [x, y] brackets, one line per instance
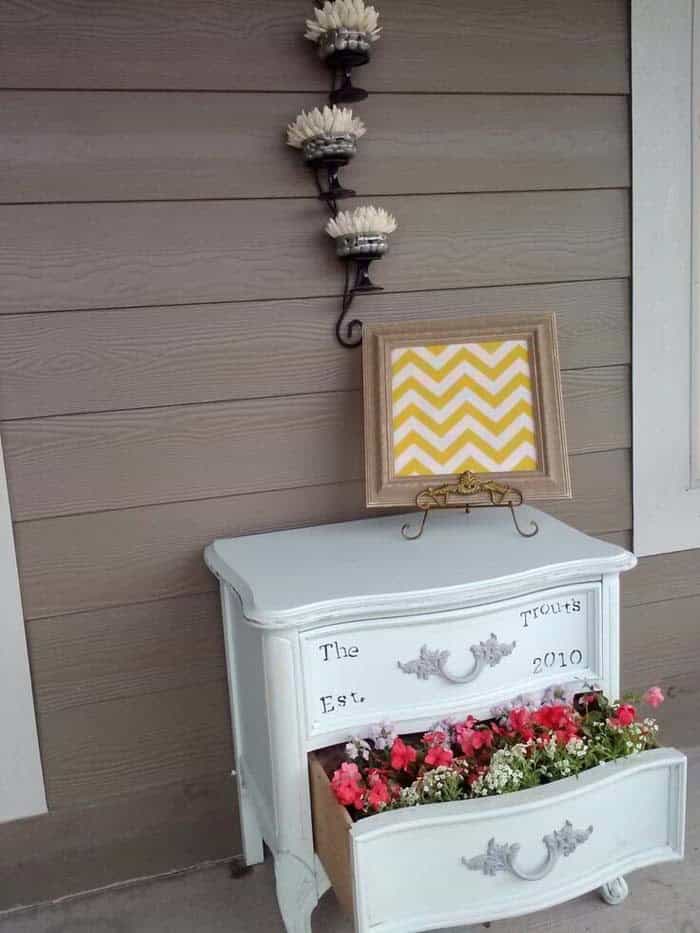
[357, 748]
[501, 776]
[383, 735]
[348, 14]
[576, 747]
[409, 797]
[331, 121]
[365, 219]
[442, 783]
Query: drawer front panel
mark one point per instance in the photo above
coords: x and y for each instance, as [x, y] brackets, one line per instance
[464, 661]
[495, 858]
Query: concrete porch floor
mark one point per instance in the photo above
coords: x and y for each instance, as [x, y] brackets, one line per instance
[663, 899]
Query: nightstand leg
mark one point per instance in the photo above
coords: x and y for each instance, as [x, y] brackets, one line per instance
[296, 893]
[614, 892]
[250, 830]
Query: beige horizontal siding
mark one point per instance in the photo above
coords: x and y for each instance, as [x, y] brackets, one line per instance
[663, 577]
[110, 558]
[140, 833]
[101, 360]
[101, 750]
[548, 45]
[108, 654]
[71, 256]
[77, 146]
[660, 645]
[84, 463]
[620, 538]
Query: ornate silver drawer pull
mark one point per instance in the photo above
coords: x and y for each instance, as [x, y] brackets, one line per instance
[498, 857]
[489, 652]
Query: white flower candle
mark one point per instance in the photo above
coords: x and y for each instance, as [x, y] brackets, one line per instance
[331, 121]
[352, 15]
[365, 220]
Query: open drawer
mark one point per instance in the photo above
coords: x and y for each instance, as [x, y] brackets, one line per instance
[470, 861]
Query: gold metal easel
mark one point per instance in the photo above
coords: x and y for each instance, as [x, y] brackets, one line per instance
[457, 496]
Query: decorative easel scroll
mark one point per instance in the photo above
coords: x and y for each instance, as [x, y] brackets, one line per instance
[457, 496]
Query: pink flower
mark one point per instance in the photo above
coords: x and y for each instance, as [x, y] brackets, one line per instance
[438, 755]
[654, 697]
[379, 795]
[346, 783]
[435, 738]
[558, 719]
[349, 771]
[402, 755]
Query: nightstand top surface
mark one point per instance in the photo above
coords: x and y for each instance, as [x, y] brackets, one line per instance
[364, 568]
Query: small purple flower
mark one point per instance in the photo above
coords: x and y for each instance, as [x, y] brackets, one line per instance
[523, 699]
[556, 696]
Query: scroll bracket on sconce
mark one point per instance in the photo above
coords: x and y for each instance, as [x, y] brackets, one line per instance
[349, 334]
[334, 191]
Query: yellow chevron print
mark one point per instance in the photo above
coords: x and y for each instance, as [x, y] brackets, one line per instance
[462, 406]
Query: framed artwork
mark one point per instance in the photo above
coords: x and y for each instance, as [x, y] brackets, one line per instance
[479, 394]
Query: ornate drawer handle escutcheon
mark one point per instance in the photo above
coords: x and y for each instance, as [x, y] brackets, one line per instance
[490, 652]
[499, 857]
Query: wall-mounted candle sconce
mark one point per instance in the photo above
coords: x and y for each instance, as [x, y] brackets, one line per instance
[328, 140]
[361, 236]
[344, 31]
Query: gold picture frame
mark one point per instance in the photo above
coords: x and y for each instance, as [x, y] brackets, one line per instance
[482, 393]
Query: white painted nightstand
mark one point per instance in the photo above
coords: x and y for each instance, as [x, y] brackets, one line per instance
[334, 628]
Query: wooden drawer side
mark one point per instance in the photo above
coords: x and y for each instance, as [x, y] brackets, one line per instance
[331, 825]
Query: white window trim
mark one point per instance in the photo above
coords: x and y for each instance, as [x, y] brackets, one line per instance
[666, 498]
[22, 790]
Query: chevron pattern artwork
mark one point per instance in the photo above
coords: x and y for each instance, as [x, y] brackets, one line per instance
[462, 406]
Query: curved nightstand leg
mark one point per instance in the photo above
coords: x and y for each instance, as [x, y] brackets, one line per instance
[614, 892]
[250, 830]
[296, 893]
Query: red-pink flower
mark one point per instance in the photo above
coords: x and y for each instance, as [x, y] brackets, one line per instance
[346, 784]
[519, 720]
[623, 716]
[378, 795]
[402, 755]
[588, 699]
[438, 755]
[559, 720]
[471, 740]
[654, 697]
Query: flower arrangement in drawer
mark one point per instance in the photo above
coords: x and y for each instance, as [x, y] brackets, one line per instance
[521, 747]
